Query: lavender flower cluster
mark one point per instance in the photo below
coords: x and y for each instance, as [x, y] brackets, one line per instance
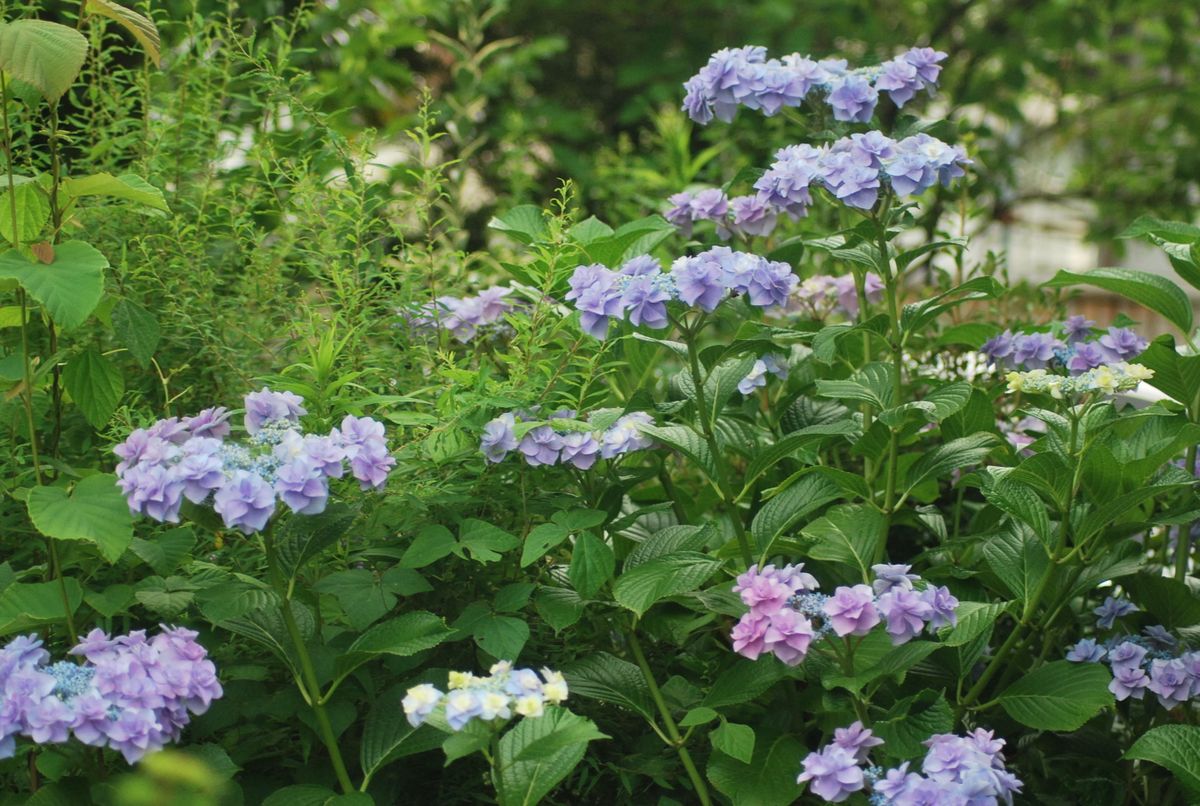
[1140, 663]
[640, 290]
[745, 77]
[193, 458]
[464, 317]
[543, 445]
[824, 294]
[132, 694]
[1078, 350]
[853, 170]
[784, 605]
[504, 692]
[956, 771]
[756, 378]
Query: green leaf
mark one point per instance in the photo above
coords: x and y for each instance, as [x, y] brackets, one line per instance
[111, 600]
[1017, 500]
[1156, 293]
[1168, 600]
[166, 551]
[956, 453]
[743, 681]
[502, 637]
[94, 512]
[936, 406]
[387, 735]
[483, 542]
[911, 721]
[535, 755]
[734, 740]
[137, 329]
[668, 541]
[770, 456]
[895, 662]
[1171, 231]
[512, 597]
[605, 677]
[402, 636]
[95, 385]
[43, 54]
[558, 607]
[234, 599]
[127, 186]
[1176, 747]
[872, 384]
[1018, 561]
[640, 588]
[592, 564]
[799, 499]
[301, 540]
[768, 780]
[523, 223]
[33, 211]
[69, 288]
[1058, 696]
[25, 605]
[974, 618]
[684, 439]
[143, 29]
[540, 540]
[300, 795]
[916, 316]
[851, 534]
[1175, 375]
[431, 544]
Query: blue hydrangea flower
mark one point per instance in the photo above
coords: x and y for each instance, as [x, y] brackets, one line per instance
[852, 99]
[246, 502]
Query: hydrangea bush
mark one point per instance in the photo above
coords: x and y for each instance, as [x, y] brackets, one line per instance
[792, 506]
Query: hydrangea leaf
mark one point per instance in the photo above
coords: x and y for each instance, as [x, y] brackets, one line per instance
[851, 534]
[25, 605]
[388, 736]
[734, 740]
[93, 512]
[768, 780]
[535, 755]
[592, 564]
[640, 588]
[1058, 696]
[1156, 293]
[788, 506]
[1176, 747]
[605, 677]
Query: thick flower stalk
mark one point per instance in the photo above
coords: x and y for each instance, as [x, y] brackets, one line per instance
[246, 482]
[133, 694]
[505, 692]
[541, 444]
[854, 171]
[787, 615]
[956, 771]
[745, 77]
[1153, 661]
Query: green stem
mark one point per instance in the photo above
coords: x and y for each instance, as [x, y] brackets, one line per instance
[891, 289]
[714, 449]
[309, 686]
[669, 722]
[1183, 545]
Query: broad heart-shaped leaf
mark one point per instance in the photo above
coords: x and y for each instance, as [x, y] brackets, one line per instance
[852, 534]
[24, 605]
[502, 637]
[431, 544]
[387, 735]
[143, 30]
[1156, 293]
[33, 211]
[1058, 696]
[768, 780]
[744, 681]
[808, 494]
[129, 187]
[734, 740]
[592, 564]
[540, 540]
[45, 55]
[483, 541]
[601, 676]
[1176, 747]
[401, 636]
[69, 288]
[639, 588]
[137, 329]
[94, 512]
[535, 755]
[95, 385]
[872, 384]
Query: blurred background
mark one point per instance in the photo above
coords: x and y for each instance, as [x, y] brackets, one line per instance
[1081, 114]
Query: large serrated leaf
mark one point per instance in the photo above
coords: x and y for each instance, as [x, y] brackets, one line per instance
[1058, 696]
[638, 589]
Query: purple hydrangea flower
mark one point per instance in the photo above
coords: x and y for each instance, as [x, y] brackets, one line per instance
[856, 740]
[899, 79]
[785, 185]
[200, 470]
[847, 292]
[1086, 650]
[1122, 344]
[873, 149]
[371, 465]
[640, 266]
[851, 610]
[645, 301]
[853, 99]
[752, 215]
[541, 446]
[1077, 329]
[1086, 355]
[1126, 655]
[579, 449]
[888, 577]
[212, 422]
[905, 612]
[850, 181]
[1128, 681]
[1161, 637]
[498, 438]
[598, 304]
[327, 453]
[154, 491]
[749, 635]
[832, 774]
[1170, 681]
[927, 61]
[266, 406]
[788, 636]
[699, 281]
[624, 436]
[585, 277]
[1000, 348]
[771, 283]
[757, 377]
[1035, 350]
[302, 486]
[943, 606]
[1111, 610]
[172, 429]
[246, 502]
